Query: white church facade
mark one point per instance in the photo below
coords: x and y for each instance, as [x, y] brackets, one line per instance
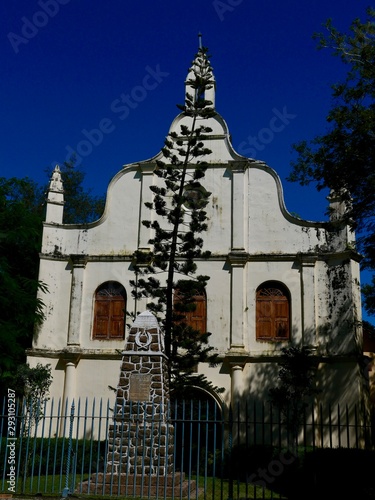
[275, 281]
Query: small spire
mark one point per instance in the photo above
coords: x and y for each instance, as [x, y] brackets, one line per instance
[55, 198]
[200, 39]
[56, 184]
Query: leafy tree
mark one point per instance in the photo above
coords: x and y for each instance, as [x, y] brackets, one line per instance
[343, 158]
[33, 384]
[22, 211]
[368, 291]
[296, 383]
[177, 242]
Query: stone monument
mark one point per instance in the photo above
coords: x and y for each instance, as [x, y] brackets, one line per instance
[141, 438]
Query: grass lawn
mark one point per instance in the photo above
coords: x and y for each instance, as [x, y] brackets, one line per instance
[208, 489]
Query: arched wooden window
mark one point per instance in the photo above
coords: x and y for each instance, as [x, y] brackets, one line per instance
[109, 311]
[197, 316]
[272, 312]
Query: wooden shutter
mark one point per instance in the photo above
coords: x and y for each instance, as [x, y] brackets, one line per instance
[197, 319]
[281, 314]
[102, 315]
[264, 318]
[117, 323]
[272, 313]
[109, 311]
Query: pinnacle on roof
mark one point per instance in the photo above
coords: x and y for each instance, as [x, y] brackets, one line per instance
[55, 183]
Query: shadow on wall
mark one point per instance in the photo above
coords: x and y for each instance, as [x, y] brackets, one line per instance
[340, 380]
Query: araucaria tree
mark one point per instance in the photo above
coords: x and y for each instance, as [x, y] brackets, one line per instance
[167, 274]
[343, 159]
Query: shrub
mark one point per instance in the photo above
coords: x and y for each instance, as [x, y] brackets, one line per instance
[330, 473]
[49, 456]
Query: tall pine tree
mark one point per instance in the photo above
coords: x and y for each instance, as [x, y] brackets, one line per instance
[167, 274]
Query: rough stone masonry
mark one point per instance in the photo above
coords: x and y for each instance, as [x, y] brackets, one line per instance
[141, 439]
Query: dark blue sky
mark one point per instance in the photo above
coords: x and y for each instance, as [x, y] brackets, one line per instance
[69, 67]
[67, 63]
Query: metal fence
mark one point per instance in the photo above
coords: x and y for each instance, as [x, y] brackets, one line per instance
[196, 449]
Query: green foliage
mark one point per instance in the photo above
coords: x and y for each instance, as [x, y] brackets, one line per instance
[49, 455]
[343, 158]
[328, 473]
[33, 384]
[370, 329]
[369, 296]
[296, 383]
[22, 211]
[177, 241]
[245, 460]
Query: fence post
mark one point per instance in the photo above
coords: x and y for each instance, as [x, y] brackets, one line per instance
[230, 445]
[66, 491]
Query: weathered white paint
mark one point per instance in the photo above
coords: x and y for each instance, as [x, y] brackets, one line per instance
[253, 239]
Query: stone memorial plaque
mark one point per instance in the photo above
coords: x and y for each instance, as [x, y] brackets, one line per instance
[139, 387]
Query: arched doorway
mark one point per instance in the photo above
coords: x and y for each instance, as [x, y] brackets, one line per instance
[198, 433]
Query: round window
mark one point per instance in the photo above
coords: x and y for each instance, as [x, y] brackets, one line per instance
[195, 196]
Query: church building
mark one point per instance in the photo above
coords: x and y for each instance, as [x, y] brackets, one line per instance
[275, 281]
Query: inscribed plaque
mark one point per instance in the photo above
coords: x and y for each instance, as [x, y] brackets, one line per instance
[139, 387]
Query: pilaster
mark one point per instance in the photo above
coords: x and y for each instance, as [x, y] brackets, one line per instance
[144, 213]
[75, 312]
[237, 261]
[308, 300]
[239, 206]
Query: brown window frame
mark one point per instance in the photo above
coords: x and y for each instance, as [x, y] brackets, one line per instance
[272, 312]
[109, 312]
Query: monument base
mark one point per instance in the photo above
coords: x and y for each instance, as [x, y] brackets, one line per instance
[172, 485]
